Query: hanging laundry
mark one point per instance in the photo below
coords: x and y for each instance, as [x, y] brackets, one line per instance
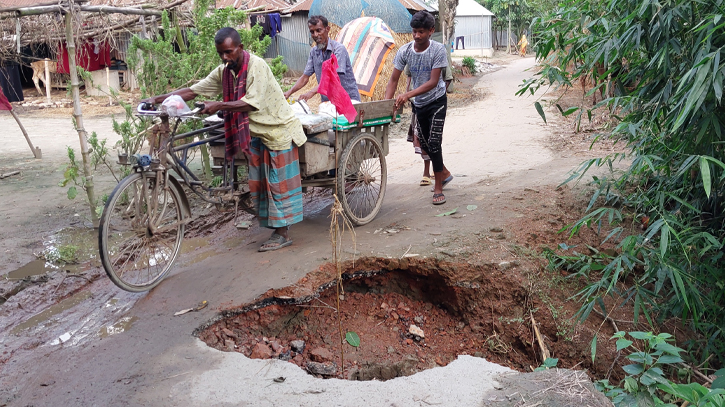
[10, 81]
[275, 21]
[86, 58]
[264, 21]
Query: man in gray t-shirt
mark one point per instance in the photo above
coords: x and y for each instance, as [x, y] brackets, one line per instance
[420, 65]
[425, 59]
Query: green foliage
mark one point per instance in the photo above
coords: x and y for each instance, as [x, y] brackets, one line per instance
[519, 12]
[646, 382]
[352, 338]
[161, 69]
[548, 364]
[63, 254]
[469, 63]
[71, 175]
[216, 182]
[661, 68]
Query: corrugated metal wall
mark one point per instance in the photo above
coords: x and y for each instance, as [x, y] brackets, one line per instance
[293, 43]
[476, 30]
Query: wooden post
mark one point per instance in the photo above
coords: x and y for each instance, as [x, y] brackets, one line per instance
[108, 85]
[36, 150]
[47, 79]
[17, 33]
[78, 114]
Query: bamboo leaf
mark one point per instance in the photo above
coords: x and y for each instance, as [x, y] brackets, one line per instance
[539, 109]
[664, 240]
[594, 347]
[451, 212]
[705, 172]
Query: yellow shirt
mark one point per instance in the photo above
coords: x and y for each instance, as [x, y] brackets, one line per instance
[273, 122]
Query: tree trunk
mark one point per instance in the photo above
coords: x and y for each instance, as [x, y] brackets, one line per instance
[78, 115]
[508, 40]
[442, 15]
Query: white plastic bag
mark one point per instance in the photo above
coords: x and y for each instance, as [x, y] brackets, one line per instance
[300, 107]
[328, 109]
[175, 106]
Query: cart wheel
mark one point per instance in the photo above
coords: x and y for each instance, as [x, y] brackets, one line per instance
[361, 179]
[135, 258]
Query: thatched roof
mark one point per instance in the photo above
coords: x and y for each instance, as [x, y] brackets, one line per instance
[257, 5]
[41, 22]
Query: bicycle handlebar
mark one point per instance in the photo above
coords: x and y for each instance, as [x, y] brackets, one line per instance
[149, 109]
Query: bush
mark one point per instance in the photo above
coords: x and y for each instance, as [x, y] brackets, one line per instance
[470, 63]
[661, 66]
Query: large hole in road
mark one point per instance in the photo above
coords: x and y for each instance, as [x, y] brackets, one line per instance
[407, 320]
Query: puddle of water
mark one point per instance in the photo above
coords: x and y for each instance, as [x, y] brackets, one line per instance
[34, 268]
[45, 316]
[123, 325]
[79, 245]
[234, 243]
[189, 245]
[201, 256]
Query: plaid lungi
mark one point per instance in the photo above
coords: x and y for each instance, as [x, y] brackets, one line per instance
[275, 185]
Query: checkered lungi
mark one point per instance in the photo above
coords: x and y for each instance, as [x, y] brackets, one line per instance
[275, 185]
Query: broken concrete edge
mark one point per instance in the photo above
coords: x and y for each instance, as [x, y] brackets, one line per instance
[356, 269]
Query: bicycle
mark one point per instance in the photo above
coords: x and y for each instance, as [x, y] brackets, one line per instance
[144, 219]
[142, 225]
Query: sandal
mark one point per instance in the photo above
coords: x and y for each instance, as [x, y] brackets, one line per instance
[441, 202]
[425, 181]
[276, 241]
[445, 182]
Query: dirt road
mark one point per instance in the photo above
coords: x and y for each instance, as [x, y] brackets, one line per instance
[107, 347]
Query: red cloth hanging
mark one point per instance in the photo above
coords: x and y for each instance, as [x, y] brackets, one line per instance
[86, 57]
[330, 86]
[4, 104]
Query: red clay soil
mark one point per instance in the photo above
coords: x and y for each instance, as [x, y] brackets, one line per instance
[461, 309]
[475, 305]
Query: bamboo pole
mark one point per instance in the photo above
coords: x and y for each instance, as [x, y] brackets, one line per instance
[47, 79]
[108, 85]
[120, 10]
[36, 150]
[17, 33]
[78, 115]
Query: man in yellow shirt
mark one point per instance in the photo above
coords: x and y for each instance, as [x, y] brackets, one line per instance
[260, 122]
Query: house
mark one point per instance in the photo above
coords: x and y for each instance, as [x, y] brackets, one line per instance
[294, 41]
[473, 27]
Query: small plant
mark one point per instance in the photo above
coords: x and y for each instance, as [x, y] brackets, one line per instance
[216, 182]
[72, 175]
[469, 63]
[647, 383]
[549, 363]
[65, 254]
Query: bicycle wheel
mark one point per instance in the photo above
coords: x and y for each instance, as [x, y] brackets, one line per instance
[140, 232]
[361, 179]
